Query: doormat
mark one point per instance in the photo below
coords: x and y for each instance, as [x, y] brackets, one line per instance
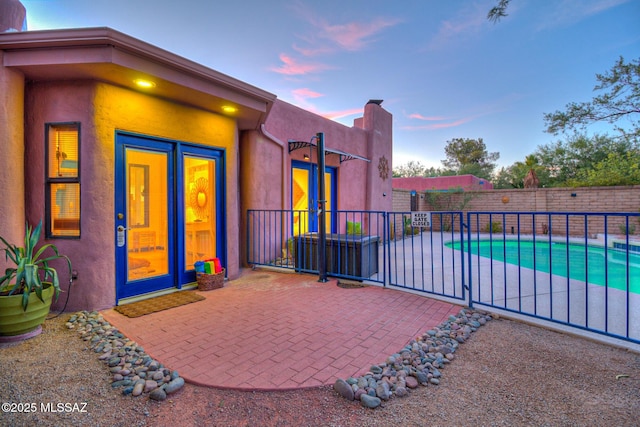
[153, 305]
[350, 285]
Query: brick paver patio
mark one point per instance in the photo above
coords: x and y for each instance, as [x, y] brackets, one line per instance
[275, 331]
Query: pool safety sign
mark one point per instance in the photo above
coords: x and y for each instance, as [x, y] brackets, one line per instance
[421, 219]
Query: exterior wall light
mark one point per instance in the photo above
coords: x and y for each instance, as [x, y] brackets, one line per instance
[229, 109]
[146, 84]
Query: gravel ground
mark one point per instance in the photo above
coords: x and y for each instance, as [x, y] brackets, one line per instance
[507, 374]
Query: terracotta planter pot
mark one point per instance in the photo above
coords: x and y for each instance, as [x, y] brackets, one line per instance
[14, 320]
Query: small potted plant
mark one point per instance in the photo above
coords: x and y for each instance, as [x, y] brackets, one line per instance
[29, 283]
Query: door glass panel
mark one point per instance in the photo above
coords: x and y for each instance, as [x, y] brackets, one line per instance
[200, 210]
[300, 195]
[147, 222]
[138, 186]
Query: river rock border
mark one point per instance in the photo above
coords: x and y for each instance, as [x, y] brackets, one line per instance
[418, 363]
[131, 368]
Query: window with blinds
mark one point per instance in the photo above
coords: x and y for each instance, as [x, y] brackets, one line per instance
[63, 180]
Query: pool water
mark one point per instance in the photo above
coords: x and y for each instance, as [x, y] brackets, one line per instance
[579, 262]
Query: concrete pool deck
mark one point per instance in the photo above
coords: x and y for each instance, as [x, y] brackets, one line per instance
[424, 264]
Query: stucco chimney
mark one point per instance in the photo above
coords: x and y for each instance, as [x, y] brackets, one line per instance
[13, 16]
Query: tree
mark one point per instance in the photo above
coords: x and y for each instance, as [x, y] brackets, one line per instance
[620, 100]
[565, 161]
[615, 169]
[514, 176]
[498, 11]
[414, 168]
[410, 169]
[470, 156]
[531, 180]
[505, 178]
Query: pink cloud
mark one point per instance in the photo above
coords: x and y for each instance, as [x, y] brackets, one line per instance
[292, 67]
[440, 125]
[466, 24]
[305, 93]
[494, 107]
[421, 117]
[302, 95]
[312, 51]
[333, 115]
[352, 36]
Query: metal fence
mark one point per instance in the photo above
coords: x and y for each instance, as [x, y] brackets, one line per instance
[577, 269]
[580, 270]
[355, 246]
[419, 258]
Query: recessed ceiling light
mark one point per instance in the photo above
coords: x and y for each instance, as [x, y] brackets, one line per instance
[147, 84]
[229, 109]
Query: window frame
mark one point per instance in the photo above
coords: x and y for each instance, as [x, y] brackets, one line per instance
[51, 181]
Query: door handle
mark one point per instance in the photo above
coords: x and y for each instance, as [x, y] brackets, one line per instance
[121, 235]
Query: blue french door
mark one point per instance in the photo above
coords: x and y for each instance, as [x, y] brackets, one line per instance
[201, 215]
[304, 197]
[144, 200]
[169, 201]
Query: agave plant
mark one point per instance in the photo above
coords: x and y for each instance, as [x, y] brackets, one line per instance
[31, 271]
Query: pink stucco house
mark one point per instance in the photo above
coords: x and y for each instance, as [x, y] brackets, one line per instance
[140, 162]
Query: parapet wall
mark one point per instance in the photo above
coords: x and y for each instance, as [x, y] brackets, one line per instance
[624, 199]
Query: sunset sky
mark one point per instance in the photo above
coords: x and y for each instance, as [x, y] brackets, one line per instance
[441, 68]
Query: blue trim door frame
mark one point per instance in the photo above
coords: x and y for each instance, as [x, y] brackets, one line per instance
[134, 272]
[312, 191]
[185, 273]
[135, 244]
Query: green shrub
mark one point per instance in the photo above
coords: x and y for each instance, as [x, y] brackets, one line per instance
[493, 227]
[354, 227]
[623, 229]
[408, 229]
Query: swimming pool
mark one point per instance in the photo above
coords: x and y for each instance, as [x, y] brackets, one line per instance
[585, 263]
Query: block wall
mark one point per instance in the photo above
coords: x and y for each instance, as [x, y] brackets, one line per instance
[496, 206]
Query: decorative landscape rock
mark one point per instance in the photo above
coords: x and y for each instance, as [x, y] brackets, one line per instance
[174, 385]
[130, 367]
[418, 363]
[370, 401]
[344, 389]
[412, 382]
[158, 394]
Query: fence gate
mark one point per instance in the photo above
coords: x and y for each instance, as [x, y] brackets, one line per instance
[419, 258]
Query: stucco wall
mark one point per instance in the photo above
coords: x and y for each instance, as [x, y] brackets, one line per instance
[359, 185]
[102, 110]
[11, 155]
[288, 122]
[266, 161]
[378, 123]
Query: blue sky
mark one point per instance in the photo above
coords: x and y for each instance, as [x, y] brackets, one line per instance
[443, 70]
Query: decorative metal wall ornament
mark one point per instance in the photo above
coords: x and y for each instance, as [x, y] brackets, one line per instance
[383, 168]
[198, 198]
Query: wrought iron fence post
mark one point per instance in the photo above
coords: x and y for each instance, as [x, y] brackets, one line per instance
[322, 229]
[469, 264]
